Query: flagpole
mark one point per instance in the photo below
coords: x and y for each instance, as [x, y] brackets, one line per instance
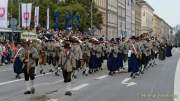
[19, 14]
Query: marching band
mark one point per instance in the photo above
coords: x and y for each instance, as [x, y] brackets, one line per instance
[88, 54]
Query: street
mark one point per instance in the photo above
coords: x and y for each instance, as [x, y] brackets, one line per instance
[157, 84]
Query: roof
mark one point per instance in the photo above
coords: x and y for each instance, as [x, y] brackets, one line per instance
[145, 3]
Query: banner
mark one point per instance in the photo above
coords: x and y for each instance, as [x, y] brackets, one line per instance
[3, 13]
[36, 17]
[71, 22]
[47, 26]
[26, 14]
[77, 22]
[66, 17]
[56, 21]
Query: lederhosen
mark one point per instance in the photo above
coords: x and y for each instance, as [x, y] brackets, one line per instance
[50, 56]
[42, 57]
[29, 72]
[66, 75]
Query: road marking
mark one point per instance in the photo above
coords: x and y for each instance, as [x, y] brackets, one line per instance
[79, 87]
[131, 84]
[101, 77]
[177, 83]
[13, 81]
[7, 69]
[52, 100]
[128, 84]
[125, 81]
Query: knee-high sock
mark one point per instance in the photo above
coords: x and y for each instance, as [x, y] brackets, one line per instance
[28, 85]
[32, 84]
[68, 86]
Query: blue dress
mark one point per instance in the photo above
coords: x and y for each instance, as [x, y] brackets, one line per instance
[133, 64]
[93, 61]
[18, 65]
[113, 63]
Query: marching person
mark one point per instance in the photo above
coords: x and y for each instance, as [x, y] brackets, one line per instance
[42, 59]
[30, 54]
[93, 61]
[114, 61]
[86, 56]
[49, 49]
[133, 63]
[77, 51]
[18, 63]
[67, 63]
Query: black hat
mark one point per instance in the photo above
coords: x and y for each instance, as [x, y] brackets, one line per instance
[67, 44]
[133, 37]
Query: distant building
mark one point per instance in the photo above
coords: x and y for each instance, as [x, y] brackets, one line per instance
[157, 25]
[137, 19]
[101, 5]
[147, 18]
[177, 27]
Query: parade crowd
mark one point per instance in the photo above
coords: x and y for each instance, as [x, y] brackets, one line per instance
[71, 52]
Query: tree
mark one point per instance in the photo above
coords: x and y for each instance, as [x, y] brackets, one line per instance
[74, 7]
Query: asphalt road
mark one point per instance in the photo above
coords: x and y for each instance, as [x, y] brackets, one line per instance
[157, 84]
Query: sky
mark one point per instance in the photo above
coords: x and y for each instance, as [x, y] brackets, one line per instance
[169, 10]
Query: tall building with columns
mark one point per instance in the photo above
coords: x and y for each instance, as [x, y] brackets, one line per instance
[102, 5]
[146, 18]
[121, 17]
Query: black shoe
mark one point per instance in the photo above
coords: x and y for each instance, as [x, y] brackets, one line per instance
[18, 77]
[84, 72]
[74, 76]
[110, 73]
[32, 90]
[134, 77]
[68, 93]
[131, 75]
[50, 70]
[27, 92]
[56, 74]
[41, 71]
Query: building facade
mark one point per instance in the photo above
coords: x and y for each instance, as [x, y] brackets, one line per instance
[121, 17]
[128, 18]
[137, 19]
[112, 19]
[133, 26]
[146, 18]
[157, 25]
[101, 5]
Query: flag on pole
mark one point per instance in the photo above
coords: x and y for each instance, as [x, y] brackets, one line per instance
[47, 26]
[36, 17]
[77, 22]
[66, 21]
[3, 13]
[56, 21]
[71, 22]
[26, 14]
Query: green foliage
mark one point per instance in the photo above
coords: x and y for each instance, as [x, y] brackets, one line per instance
[74, 7]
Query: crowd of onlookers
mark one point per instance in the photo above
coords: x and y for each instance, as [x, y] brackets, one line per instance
[7, 52]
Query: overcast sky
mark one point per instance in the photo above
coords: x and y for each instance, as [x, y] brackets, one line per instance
[169, 10]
